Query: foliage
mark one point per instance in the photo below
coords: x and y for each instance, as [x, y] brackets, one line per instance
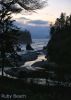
[18, 5]
[32, 91]
[59, 46]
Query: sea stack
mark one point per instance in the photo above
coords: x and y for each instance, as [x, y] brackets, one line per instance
[28, 47]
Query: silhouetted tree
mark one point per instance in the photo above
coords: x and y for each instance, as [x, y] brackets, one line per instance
[67, 21]
[70, 20]
[7, 38]
[52, 29]
[59, 45]
[62, 20]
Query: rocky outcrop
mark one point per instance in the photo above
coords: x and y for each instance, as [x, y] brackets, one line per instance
[29, 47]
[24, 37]
[30, 56]
[18, 48]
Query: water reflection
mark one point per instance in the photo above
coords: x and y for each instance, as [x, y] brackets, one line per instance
[29, 63]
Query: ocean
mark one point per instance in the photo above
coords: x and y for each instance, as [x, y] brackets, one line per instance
[37, 44]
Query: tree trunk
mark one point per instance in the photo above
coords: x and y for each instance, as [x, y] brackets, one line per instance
[3, 61]
[2, 69]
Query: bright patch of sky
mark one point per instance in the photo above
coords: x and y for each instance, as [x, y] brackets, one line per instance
[49, 13]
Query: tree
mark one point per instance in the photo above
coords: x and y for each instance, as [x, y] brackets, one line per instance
[7, 38]
[59, 46]
[70, 20]
[24, 4]
[52, 30]
[62, 20]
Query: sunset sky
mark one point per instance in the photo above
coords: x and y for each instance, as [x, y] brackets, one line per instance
[50, 12]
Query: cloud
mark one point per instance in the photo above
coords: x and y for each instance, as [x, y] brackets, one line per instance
[23, 18]
[38, 23]
[37, 28]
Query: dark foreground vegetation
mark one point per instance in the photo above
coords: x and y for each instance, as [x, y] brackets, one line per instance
[32, 91]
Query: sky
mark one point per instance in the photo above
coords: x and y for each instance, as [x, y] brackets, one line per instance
[50, 12]
[39, 23]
